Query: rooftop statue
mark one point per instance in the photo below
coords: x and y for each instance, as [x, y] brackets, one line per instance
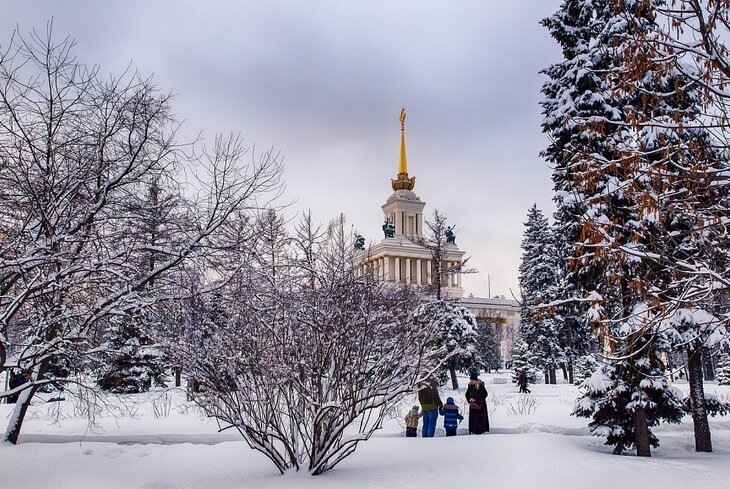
[388, 229]
[450, 236]
[359, 242]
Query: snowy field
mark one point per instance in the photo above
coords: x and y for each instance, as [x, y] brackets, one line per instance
[159, 441]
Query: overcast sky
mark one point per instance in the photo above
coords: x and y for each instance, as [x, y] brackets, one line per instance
[323, 82]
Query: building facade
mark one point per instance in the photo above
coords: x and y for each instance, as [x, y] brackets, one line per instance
[402, 257]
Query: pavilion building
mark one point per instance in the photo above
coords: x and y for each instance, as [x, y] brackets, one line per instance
[400, 257]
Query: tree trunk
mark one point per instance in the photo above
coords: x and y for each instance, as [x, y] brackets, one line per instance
[178, 381]
[703, 438]
[641, 433]
[565, 371]
[454, 382]
[553, 380]
[21, 407]
[571, 379]
[709, 368]
[547, 377]
[15, 422]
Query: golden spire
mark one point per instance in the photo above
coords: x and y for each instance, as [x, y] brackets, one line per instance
[403, 165]
[403, 181]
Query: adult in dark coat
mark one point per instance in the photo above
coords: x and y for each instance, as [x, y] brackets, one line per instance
[17, 381]
[477, 394]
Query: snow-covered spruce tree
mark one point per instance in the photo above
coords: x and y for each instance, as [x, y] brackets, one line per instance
[91, 142]
[488, 347]
[576, 340]
[523, 360]
[672, 165]
[155, 218]
[584, 367]
[135, 363]
[586, 117]
[539, 326]
[611, 399]
[457, 332]
[723, 366]
[304, 366]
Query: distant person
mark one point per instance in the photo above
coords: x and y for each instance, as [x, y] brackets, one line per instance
[16, 381]
[522, 381]
[450, 412]
[476, 395]
[412, 422]
[428, 397]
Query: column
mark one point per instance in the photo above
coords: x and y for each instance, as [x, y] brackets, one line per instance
[428, 272]
[397, 269]
[409, 279]
[458, 279]
[386, 269]
[419, 271]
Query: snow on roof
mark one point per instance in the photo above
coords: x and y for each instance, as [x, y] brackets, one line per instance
[490, 301]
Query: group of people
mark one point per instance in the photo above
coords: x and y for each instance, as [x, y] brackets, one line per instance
[431, 407]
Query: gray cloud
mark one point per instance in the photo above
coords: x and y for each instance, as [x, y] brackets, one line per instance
[324, 82]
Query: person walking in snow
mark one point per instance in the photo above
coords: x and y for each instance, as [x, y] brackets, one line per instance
[450, 412]
[476, 395]
[412, 422]
[522, 381]
[428, 397]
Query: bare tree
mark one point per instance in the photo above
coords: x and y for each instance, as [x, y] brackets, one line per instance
[73, 147]
[436, 242]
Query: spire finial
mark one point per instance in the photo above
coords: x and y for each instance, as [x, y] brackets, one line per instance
[403, 181]
[403, 163]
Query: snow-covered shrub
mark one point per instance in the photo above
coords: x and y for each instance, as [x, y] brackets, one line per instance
[162, 406]
[525, 404]
[304, 363]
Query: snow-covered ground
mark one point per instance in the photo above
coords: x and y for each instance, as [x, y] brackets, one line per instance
[158, 440]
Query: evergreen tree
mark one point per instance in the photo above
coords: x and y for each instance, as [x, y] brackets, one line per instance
[584, 367]
[488, 346]
[671, 162]
[458, 333]
[576, 340]
[588, 117]
[522, 359]
[153, 218]
[723, 366]
[539, 327]
[135, 363]
[611, 399]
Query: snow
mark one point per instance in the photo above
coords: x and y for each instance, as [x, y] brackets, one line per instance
[179, 448]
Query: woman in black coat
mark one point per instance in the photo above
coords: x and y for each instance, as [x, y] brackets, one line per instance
[477, 394]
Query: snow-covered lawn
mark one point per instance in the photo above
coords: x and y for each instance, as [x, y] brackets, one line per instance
[160, 442]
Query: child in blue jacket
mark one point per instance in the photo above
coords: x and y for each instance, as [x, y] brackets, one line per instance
[451, 415]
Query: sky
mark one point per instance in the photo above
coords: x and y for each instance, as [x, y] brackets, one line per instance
[323, 83]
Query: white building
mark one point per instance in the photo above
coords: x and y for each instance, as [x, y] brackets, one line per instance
[399, 258]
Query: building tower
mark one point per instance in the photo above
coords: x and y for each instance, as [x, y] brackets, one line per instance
[398, 258]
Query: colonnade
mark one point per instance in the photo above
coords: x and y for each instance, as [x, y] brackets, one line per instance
[412, 271]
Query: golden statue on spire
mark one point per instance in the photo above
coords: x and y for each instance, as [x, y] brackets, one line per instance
[403, 182]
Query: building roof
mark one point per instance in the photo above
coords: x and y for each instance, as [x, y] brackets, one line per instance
[490, 301]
